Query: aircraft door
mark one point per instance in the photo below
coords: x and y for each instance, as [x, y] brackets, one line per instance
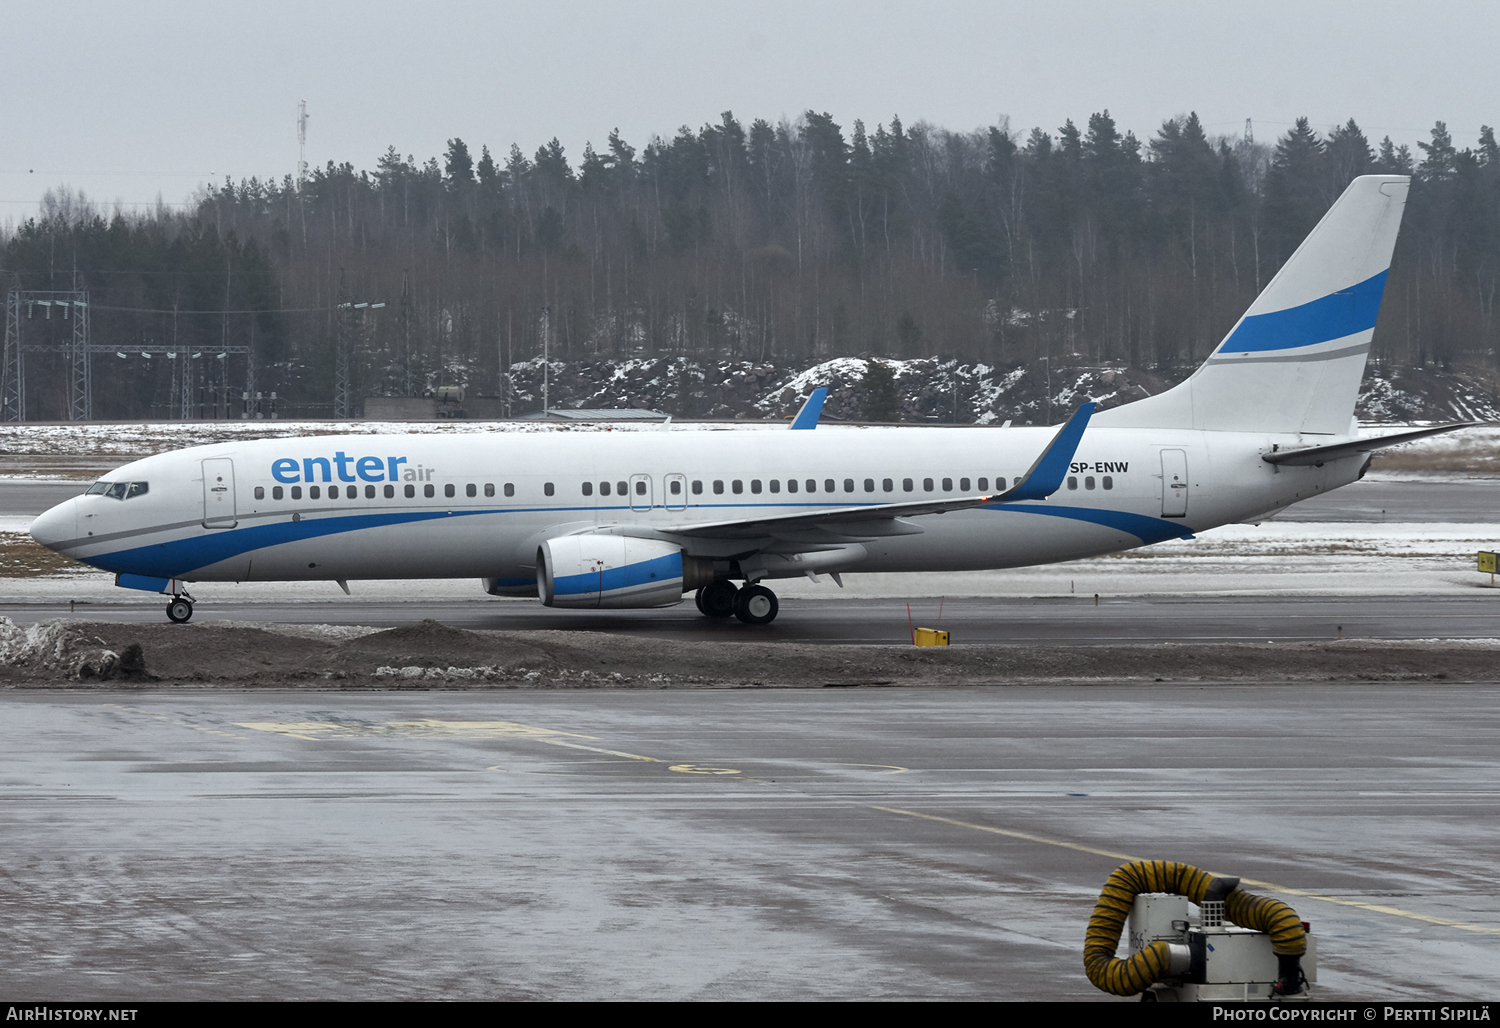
[218, 493]
[640, 492]
[1174, 484]
[676, 497]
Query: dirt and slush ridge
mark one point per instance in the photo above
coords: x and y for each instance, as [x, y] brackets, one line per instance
[429, 655]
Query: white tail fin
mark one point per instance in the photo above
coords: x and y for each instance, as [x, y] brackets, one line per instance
[1293, 362]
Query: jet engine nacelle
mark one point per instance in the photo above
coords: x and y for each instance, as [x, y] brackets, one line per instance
[614, 571]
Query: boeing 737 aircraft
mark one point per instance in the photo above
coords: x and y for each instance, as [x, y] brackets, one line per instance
[639, 519]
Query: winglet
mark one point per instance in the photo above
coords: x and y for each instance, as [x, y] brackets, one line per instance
[807, 417]
[1046, 475]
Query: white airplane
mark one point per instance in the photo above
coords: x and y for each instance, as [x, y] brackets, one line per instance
[639, 519]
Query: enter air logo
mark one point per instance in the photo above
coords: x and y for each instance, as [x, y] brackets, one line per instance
[343, 468]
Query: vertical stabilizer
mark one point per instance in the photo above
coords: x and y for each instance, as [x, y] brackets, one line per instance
[1294, 361]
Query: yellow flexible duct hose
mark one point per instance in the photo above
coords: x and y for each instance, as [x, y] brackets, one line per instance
[1137, 972]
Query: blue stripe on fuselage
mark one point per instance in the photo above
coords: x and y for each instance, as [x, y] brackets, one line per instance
[179, 557]
[1146, 529]
[1334, 316]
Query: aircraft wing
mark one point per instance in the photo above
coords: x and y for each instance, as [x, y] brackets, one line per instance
[1044, 477]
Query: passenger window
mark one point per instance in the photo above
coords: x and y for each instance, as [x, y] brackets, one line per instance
[1109, 483]
[313, 492]
[947, 485]
[603, 489]
[927, 484]
[869, 485]
[510, 489]
[737, 486]
[547, 488]
[448, 490]
[390, 492]
[640, 488]
[588, 489]
[812, 485]
[984, 484]
[791, 485]
[428, 491]
[848, 485]
[489, 488]
[276, 492]
[775, 485]
[675, 487]
[1072, 482]
[411, 491]
[755, 486]
[260, 492]
[718, 486]
[297, 492]
[1088, 483]
[828, 485]
[141, 489]
[472, 490]
[963, 485]
[697, 487]
[887, 485]
[369, 492]
[906, 485]
[623, 488]
[1000, 485]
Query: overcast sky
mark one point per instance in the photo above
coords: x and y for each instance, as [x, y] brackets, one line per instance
[131, 101]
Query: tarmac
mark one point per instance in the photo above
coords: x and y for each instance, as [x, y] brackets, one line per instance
[833, 844]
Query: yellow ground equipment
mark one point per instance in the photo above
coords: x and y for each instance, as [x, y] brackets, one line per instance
[1241, 947]
[929, 637]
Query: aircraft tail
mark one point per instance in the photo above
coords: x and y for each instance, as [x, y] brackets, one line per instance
[1294, 361]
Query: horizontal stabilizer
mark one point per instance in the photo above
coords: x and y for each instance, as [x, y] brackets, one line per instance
[1301, 456]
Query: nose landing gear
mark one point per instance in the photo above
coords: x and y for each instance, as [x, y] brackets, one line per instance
[753, 604]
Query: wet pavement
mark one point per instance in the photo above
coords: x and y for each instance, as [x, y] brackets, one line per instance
[819, 844]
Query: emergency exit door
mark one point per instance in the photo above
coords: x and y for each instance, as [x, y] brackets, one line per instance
[218, 493]
[1174, 484]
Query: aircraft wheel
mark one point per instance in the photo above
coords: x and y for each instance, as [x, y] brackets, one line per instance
[717, 600]
[755, 605]
[179, 611]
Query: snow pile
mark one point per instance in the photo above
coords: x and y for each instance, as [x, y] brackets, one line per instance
[60, 646]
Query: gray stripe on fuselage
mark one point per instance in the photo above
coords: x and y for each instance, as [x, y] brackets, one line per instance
[1326, 355]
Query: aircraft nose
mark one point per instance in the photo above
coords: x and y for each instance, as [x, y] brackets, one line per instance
[57, 525]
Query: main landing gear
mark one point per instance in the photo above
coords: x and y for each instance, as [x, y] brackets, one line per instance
[180, 609]
[752, 604]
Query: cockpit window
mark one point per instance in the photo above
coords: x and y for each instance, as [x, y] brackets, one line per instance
[119, 490]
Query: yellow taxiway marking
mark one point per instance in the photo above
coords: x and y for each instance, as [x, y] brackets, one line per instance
[317, 731]
[429, 728]
[1373, 907]
[175, 721]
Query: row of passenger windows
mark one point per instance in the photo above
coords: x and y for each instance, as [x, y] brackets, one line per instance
[674, 487]
[351, 492]
[793, 485]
